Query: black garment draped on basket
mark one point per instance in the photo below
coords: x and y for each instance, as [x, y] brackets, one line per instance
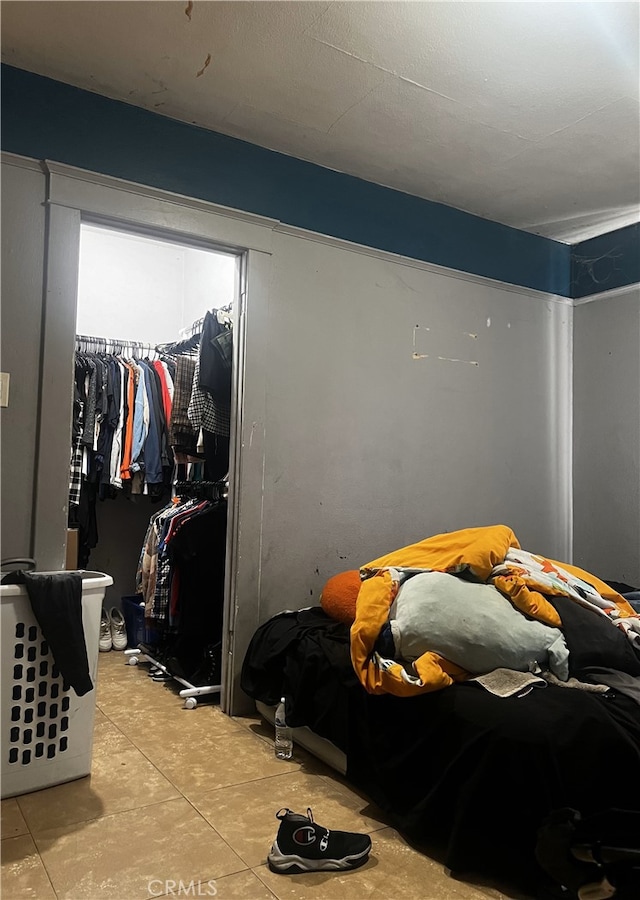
[56, 601]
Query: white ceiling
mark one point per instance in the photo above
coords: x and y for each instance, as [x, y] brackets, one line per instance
[526, 113]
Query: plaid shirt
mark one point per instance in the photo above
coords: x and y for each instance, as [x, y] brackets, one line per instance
[181, 432]
[205, 412]
[75, 475]
[75, 467]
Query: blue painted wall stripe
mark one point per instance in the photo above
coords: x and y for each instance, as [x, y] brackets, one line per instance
[42, 118]
[605, 262]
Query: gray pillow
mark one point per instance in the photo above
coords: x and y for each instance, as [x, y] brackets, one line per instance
[472, 625]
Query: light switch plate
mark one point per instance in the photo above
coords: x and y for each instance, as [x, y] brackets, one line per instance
[4, 388]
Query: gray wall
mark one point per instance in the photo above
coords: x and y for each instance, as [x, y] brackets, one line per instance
[400, 403]
[23, 230]
[122, 526]
[606, 391]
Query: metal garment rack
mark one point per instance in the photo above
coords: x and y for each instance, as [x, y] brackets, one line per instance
[189, 692]
[205, 490]
[86, 343]
[223, 314]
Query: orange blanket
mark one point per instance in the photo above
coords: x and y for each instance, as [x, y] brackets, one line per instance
[475, 550]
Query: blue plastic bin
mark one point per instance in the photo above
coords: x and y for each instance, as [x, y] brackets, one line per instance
[137, 630]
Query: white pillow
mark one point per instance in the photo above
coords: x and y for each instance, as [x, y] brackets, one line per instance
[472, 625]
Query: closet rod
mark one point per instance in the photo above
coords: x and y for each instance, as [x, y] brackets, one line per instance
[196, 326]
[109, 344]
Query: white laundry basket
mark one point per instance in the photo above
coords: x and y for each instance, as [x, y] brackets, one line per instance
[47, 731]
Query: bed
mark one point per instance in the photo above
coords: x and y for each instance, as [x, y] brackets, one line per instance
[466, 774]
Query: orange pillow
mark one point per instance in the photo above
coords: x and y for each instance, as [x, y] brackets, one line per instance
[339, 595]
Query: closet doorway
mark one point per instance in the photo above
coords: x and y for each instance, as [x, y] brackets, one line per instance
[143, 301]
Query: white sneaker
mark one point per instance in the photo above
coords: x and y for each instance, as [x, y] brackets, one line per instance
[105, 632]
[118, 629]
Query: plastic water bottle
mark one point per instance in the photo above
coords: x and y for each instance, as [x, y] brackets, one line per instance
[283, 745]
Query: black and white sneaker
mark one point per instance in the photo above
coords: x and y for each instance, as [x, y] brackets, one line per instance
[303, 846]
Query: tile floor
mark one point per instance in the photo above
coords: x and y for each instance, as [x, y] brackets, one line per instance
[188, 797]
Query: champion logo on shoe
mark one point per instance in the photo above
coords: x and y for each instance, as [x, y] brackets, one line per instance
[304, 836]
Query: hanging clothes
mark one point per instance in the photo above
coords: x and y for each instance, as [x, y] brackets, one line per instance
[210, 408]
[201, 409]
[182, 435]
[135, 418]
[120, 444]
[180, 579]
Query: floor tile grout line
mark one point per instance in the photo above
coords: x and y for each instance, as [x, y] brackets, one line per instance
[221, 787]
[264, 866]
[298, 771]
[111, 815]
[264, 883]
[172, 782]
[242, 728]
[39, 855]
[147, 806]
[216, 830]
[116, 812]
[223, 839]
[248, 869]
[24, 818]
[224, 787]
[238, 729]
[46, 870]
[149, 760]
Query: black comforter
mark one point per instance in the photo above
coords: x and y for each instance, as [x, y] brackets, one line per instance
[460, 770]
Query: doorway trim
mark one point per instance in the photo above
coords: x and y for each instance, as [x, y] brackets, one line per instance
[74, 196]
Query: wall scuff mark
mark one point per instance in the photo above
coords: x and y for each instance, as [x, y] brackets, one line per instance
[189, 10]
[470, 362]
[415, 354]
[204, 68]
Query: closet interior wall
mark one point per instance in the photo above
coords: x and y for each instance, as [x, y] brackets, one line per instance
[140, 288]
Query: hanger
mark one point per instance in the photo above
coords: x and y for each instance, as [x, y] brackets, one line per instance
[175, 348]
[115, 346]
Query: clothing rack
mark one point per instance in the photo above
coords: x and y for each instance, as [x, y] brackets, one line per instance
[91, 344]
[161, 652]
[224, 317]
[202, 490]
[174, 348]
[189, 692]
[193, 329]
